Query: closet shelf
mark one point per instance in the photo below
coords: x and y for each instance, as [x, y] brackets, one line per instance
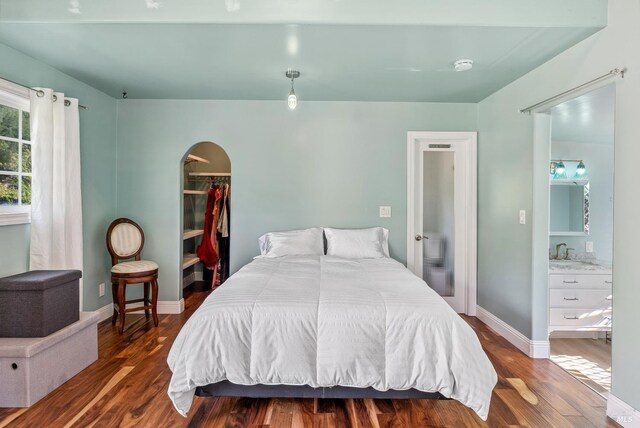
[189, 260]
[195, 192]
[192, 233]
[210, 174]
[194, 158]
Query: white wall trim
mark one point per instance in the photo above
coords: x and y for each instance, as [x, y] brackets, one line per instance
[11, 218]
[168, 307]
[531, 348]
[622, 413]
[105, 312]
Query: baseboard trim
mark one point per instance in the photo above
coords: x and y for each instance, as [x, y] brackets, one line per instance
[167, 307]
[622, 413]
[105, 312]
[531, 348]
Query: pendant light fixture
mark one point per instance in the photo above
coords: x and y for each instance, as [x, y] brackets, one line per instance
[292, 99]
[581, 169]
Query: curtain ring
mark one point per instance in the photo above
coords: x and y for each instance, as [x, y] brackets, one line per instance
[67, 103]
[40, 93]
[55, 97]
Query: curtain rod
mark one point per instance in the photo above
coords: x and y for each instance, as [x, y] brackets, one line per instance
[612, 73]
[40, 92]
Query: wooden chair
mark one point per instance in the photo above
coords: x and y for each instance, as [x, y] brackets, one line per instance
[125, 240]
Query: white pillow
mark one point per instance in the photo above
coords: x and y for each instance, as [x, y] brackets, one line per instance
[372, 243]
[292, 243]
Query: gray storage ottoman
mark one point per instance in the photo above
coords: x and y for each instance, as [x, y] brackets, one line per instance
[38, 303]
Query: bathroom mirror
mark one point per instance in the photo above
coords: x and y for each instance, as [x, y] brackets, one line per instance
[569, 208]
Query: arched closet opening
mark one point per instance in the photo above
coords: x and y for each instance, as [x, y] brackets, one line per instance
[206, 216]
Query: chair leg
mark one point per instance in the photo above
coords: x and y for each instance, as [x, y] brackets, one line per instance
[121, 303]
[114, 295]
[146, 299]
[154, 304]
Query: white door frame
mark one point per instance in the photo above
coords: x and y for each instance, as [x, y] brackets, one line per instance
[470, 138]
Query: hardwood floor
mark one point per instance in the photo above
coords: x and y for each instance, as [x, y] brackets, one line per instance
[127, 387]
[589, 360]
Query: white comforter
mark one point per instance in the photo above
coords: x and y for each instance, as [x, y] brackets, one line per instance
[325, 321]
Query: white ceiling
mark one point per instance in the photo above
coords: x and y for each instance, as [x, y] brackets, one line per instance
[588, 118]
[346, 50]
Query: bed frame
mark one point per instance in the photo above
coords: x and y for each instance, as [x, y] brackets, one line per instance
[228, 389]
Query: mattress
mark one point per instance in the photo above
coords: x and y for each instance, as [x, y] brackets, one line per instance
[324, 321]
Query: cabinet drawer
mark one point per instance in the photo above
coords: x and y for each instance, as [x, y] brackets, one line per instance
[579, 298]
[579, 281]
[579, 317]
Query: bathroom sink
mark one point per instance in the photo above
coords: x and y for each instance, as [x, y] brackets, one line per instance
[572, 262]
[577, 265]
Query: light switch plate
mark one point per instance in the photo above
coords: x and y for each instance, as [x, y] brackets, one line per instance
[523, 217]
[385, 212]
[588, 246]
[101, 289]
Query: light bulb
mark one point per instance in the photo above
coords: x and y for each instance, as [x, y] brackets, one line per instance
[581, 169]
[560, 169]
[292, 100]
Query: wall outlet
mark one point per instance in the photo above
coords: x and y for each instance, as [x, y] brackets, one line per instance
[101, 289]
[523, 217]
[385, 212]
[588, 246]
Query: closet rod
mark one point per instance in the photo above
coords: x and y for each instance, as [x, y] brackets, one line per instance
[612, 73]
[40, 92]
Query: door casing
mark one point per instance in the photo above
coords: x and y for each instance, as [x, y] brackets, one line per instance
[414, 138]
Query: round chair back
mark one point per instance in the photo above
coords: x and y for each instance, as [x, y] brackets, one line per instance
[125, 240]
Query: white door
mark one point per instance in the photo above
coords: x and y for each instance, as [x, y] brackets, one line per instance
[441, 241]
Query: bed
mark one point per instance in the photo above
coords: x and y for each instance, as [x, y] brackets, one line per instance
[347, 327]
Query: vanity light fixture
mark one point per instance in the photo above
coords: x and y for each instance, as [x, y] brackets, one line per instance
[292, 99]
[558, 169]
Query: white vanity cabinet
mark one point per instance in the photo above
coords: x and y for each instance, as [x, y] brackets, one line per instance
[579, 301]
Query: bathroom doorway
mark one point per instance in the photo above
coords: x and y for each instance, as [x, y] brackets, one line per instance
[580, 236]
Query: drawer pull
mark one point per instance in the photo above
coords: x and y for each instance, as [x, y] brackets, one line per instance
[571, 318]
[570, 298]
[570, 282]
[608, 282]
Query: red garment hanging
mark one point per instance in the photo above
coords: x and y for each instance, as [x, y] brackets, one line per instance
[207, 249]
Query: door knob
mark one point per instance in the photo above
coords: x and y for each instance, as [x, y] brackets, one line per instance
[419, 237]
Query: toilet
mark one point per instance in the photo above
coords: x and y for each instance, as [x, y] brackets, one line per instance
[434, 270]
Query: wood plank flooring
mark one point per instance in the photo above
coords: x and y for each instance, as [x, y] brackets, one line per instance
[127, 387]
[589, 360]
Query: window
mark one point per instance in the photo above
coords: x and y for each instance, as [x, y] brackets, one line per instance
[15, 155]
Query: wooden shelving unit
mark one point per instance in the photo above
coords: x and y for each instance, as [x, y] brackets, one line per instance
[209, 174]
[192, 233]
[195, 192]
[194, 158]
[189, 260]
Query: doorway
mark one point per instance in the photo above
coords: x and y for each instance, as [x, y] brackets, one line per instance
[205, 239]
[442, 214]
[580, 236]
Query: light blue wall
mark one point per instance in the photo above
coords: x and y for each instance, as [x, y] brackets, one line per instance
[98, 144]
[505, 285]
[324, 164]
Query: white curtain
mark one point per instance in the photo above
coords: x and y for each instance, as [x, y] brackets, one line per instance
[56, 201]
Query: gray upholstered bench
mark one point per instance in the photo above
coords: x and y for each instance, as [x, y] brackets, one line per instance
[30, 368]
[39, 302]
[44, 339]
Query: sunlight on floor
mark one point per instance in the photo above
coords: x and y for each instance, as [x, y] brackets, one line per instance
[582, 362]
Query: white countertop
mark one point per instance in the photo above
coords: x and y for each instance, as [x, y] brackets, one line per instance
[579, 267]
